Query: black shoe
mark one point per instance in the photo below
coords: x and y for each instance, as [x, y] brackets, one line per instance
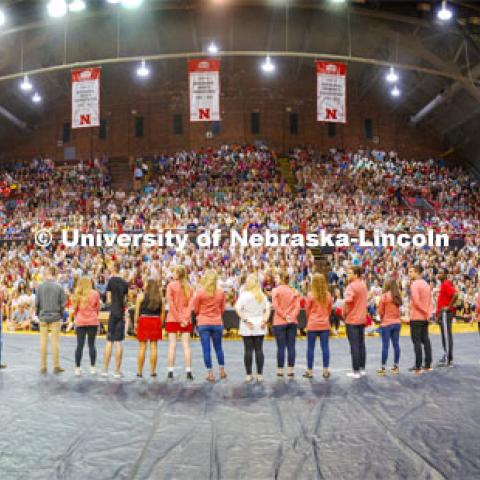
[170, 376]
[427, 368]
[442, 363]
[139, 375]
[413, 369]
[189, 376]
[2, 365]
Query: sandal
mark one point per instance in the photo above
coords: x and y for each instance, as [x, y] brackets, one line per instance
[210, 378]
[307, 375]
[326, 375]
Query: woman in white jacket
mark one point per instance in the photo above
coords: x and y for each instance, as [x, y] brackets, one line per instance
[253, 309]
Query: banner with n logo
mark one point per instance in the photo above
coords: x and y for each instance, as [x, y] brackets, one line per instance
[204, 78]
[331, 92]
[86, 98]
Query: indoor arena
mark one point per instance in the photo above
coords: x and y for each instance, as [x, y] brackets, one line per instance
[239, 239]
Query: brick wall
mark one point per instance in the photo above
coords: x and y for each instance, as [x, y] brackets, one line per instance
[273, 99]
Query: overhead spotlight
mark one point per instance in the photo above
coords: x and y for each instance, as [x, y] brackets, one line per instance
[445, 13]
[268, 66]
[113, 2]
[395, 92]
[131, 4]
[36, 98]
[57, 8]
[392, 76]
[143, 71]
[212, 48]
[26, 84]
[77, 6]
[3, 18]
[337, 1]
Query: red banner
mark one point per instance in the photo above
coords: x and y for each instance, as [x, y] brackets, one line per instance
[204, 79]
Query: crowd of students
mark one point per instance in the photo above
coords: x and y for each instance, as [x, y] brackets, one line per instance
[206, 306]
[238, 187]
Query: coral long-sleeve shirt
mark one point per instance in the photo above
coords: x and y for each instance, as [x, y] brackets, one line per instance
[388, 311]
[318, 316]
[88, 315]
[209, 308]
[179, 306]
[286, 302]
[421, 306]
[356, 302]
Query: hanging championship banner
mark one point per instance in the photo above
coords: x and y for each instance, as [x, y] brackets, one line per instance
[204, 76]
[86, 97]
[331, 92]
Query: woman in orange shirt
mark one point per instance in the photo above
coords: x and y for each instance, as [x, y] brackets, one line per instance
[179, 319]
[286, 302]
[389, 311]
[318, 308]
[209, 305]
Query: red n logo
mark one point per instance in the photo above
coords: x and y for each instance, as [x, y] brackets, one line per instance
[204, 113]
[85, 119]
[331, 113]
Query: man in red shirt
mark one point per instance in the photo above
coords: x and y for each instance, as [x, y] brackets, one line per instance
[447, 298]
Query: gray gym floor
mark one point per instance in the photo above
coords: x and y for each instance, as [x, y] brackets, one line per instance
[82, 428]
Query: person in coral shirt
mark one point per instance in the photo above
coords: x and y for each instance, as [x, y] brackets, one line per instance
[318, 308]
[421, 309]
[286, 302]
[355, 310]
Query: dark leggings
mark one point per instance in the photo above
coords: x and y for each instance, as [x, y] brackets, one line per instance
[285, 335]
[252, 343]
[82, 332]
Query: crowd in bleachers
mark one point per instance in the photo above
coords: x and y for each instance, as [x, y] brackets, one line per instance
[237, 187]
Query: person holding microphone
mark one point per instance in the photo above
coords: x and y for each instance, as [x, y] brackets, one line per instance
[286, 303]
[318, 308]
[209, 305]
[253, 310]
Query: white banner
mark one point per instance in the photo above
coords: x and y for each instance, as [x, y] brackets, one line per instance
[204, 76]
[86, 98]
[331, 92]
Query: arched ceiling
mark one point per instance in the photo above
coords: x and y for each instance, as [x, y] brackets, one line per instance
[440, 62]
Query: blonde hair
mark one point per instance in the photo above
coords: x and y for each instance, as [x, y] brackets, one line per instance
[82, 292]
[320, 288]
[252, 285]
[182, 278]
[209, 282]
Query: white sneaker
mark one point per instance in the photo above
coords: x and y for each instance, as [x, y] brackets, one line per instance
[363, 373]
[93, 370]
[353, 375]
[117, 375]
[78, 371]
[104, 373]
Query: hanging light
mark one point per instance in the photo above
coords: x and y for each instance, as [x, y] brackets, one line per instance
[392, 76]
[36, 98]
[3, 18]
[113, 2]
[445, 13]
[77, 6]
[143, 71]
[26, 85]
[212, 48]
[268, 66]
[395, 92]
[131, 4]
[57, 8]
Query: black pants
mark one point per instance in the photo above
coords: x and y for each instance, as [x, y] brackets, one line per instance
[419, 334]
[356, 338]
[253, 343]
[82, 332]
[285, 335]
[445, 320]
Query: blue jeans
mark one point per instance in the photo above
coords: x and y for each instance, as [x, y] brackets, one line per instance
[285, 336]
[214, 332]
[392, 332]
[311, 338]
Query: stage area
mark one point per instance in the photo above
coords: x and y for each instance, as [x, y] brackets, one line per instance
[401, 427]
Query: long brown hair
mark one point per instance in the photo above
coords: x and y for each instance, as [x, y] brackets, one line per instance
[82, 291]
[182, 278]
[320, 288]
[392, 286]
[209, 282]
[153, 295]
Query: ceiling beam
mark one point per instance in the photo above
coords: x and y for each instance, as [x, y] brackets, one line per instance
[13, 119]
